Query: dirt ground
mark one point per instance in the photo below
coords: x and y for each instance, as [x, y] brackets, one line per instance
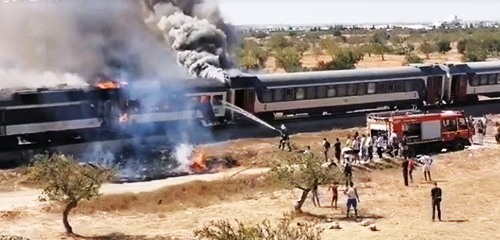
[468, 179]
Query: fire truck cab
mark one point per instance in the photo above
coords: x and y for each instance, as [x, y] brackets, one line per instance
[425, 132]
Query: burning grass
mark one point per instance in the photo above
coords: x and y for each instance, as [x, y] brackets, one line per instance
[195, 194]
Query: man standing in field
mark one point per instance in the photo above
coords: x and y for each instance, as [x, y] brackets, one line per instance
[335, 193]
[337, 148]
[352, 199]
[436, 195]
[326, 148]
[427, 161]
[405, 166]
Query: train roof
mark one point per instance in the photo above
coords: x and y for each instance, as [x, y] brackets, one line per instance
[475, 67]
[350, 75]
[184, 85]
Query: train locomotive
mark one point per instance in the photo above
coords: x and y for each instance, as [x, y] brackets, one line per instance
[114, 110]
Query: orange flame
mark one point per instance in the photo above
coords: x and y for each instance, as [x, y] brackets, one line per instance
[198, 162]
[123, 118]
[108, 85]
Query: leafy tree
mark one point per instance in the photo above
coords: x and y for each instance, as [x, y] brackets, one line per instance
[380, 49]
[443, 46]
[278, 42]
[412, 58]
[330, 46]
[379, 37]
[345, 59]
[461, 45]
[475, 53]
[64, 180]
[224, 230]
[317, 51]
[304, 172]
[426, 48]
[252, 56]
[289, 59]
[301, 46]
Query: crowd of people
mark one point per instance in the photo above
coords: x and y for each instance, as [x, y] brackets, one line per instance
[360, 147]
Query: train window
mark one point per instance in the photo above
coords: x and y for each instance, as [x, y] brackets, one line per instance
[341, 90]
[492, 79]
[289, 94]
[321, 91]
[483, 79]
[408, 86]
[389, 87]
[498, 78]
[351, 89]
[267, 95]
[311, 92]
[361, 89]
[278, 95]
[331, 91]
[398, 86]
[474, 80]
[379, 87]
[299, 93]
[371, 88]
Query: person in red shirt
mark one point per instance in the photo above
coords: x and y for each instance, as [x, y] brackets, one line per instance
[335, 193]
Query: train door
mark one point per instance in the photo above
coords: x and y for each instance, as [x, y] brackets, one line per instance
[245, 99]
[434, 89]
[249, 100]
[458, 90]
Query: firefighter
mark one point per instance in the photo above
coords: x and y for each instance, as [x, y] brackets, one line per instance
[285, 138]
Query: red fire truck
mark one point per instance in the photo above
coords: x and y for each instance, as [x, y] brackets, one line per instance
[425, 132]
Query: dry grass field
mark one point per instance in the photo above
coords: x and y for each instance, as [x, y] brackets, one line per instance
[468, 179]
[309, 60]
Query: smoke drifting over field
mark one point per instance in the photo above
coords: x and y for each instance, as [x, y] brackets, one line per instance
[83, 37]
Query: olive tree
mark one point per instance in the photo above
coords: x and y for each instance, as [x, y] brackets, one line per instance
[283, 230]
[304, 172]
[289, 59]
[427, 48]
[64, 180]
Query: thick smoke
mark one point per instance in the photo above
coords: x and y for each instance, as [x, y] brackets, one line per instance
[84, 38]
[196, 30]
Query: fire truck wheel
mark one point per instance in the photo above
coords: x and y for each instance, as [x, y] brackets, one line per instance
[458, 145]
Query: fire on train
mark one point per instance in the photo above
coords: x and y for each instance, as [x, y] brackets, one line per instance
[111, 109]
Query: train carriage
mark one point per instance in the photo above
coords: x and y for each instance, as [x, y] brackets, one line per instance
[345, 90]
[467, 81]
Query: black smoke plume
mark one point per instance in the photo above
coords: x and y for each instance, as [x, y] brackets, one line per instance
[196, 30]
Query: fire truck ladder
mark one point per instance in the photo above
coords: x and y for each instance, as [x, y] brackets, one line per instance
[388, 114]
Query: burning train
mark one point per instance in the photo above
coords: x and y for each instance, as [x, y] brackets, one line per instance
[115, 110]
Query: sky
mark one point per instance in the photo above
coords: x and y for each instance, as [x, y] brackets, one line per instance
[247, 12]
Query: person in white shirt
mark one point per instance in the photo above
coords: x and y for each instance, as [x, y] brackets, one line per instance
[352, 199]
[363, 150]
[369, 147]
[355, 148]
[380, 146]
[427, 161]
